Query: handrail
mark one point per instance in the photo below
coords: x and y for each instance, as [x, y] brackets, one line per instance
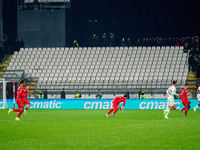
[13, 74]
[106, 87]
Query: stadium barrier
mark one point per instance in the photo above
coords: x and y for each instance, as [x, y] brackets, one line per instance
[98, 103]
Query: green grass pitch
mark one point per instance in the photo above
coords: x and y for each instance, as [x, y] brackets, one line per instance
[90, 129]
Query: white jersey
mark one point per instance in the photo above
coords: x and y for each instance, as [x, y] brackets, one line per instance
[171, 92]
[199, 88]
[198, 96]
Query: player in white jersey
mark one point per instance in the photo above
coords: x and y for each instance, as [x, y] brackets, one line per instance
[171, 92]
[198, 97]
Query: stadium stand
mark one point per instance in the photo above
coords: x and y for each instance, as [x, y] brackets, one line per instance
[111, 69]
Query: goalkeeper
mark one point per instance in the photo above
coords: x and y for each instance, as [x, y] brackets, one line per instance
[171, 92]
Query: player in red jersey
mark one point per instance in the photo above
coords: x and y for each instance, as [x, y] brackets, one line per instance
[26, 92]
[184, 99]
[116, 106]
[20, 102]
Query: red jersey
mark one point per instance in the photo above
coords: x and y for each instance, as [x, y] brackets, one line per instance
[184, 97]
[20, 92]
[119, 99]
[26, 91]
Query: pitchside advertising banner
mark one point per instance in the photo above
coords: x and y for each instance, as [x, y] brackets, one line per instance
[98, 103]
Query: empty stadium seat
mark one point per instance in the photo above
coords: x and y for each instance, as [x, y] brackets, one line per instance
[115, 64]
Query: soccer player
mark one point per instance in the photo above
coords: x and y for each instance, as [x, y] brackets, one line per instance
[26, 92]
[184, 99]
[198, 89]
[171, 92]
[198, 96]
[20, 102]
[116, 106]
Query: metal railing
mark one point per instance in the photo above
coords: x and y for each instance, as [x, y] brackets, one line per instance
[42, 5]
[11, 75]
[112, 87]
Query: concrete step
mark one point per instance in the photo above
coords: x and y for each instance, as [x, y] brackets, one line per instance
[191, 82]
[7, 57]
[191, 74]
[32, 87]
[32, 83]
[31, 91]
[191, 90]
[4, 64]
[6, 61]
[191, 86]
[3, 68]
[192, 78]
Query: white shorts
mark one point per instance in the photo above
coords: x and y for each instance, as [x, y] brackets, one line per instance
[171, 102]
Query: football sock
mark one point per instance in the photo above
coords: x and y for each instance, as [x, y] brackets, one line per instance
[111, 110]
[168, 111]
[186, 110]
[197, 106]
[17, 110]
[26, 108]
[116, 109]
[182, 109]
[19, 114]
